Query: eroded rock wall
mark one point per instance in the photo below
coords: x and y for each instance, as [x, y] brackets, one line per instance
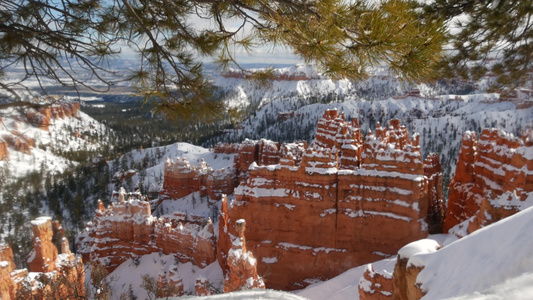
[494, 179]
[182, 179]
[461, 204]
[126, 229]
[42, 117]
[7, 284]
[311, 217]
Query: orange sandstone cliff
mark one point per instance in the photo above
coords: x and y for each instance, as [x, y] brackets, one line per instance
[182, 179]
[493, 180]
[313, 211]
[42, 117]
[310, 217]
[126, 229]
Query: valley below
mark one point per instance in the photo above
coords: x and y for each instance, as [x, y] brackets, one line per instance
[318, 189]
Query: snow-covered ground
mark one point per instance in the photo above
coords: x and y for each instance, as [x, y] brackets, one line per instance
[60, 137]
[129, 274]
[156, 158]
[495, 262]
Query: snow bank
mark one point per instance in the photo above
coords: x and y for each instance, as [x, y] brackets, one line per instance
[489, 263]
[419, 247]
[258, 294]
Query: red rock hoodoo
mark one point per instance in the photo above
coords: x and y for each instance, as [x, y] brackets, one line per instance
[126, 229]
[19, 142]
[43, 259]
[44, 254]
[201, 287]
[40, 118]
[242, 266]
[170, 284]
[7, 284]
[307, 211]
[493, 179]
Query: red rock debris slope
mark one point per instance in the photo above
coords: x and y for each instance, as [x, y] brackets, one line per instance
[43, 259]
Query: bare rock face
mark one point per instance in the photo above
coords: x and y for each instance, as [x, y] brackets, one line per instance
[495, 180]
[44, 254]
[242, 266]
[126, 229]
[170, 284]
[459, 208]
[262, 152]
[314, 211]
[407, 269]
[226, 148]
[7, 285]
[42, 117]
[375, 285]
[19, 142]
[66, 272]
[182, 179]
[339, 203]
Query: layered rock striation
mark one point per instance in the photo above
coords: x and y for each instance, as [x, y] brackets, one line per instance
[182, 179]
[313, 211]
[493, 179]
[340, 203]
[127, 230]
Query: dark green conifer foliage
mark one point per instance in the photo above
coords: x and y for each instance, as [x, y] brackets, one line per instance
[488, 28]
[55, 39]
